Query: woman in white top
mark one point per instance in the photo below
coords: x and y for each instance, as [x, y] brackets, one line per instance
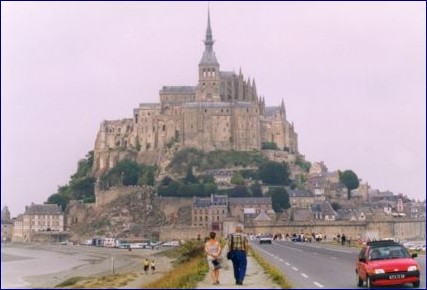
[213, 252]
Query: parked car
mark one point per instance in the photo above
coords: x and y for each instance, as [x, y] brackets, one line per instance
[385, 263]
[266, 239]
[171, 244]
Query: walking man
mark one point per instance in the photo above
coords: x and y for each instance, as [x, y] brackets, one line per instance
[238, 246]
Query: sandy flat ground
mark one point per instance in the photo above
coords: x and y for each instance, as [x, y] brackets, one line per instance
[87, 261]
[72, 261]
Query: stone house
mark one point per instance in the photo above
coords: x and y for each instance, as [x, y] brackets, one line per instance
[300, 198]
[237, 206]
[323, 211]
[38, 218]
[302, 214]
[209, 212]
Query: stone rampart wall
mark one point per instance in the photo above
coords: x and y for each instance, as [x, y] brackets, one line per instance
[410, 229]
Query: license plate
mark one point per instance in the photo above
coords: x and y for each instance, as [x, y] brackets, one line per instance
[397, 276]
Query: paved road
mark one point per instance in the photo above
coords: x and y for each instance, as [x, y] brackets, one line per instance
[317, 265]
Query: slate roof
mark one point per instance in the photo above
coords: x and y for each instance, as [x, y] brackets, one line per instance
[43, 209]
[302, 214]
[226, 105]
[262, 217]
[324, 208]
[207, 202]
[178, 89]
[270, 111]
[209, 58]
[226, 74]
[299, 193]
[249, 200]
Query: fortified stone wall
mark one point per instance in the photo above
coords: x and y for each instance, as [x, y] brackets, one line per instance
[171, 205]
[104, 197]
[279, 156]
[76, 212]
[401, 229]
[42, 237]
[410, 230]
[172, 233]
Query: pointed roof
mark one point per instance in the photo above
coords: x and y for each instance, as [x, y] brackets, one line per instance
[209, 57]
[208, 40]
[262, 217]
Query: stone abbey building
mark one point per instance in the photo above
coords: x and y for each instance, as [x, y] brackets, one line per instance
[223, 111]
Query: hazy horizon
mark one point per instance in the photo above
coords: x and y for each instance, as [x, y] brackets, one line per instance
[352, 76]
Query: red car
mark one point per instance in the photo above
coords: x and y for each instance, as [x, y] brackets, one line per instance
[384, 263]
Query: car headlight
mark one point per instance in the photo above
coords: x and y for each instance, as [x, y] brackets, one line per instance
[412, 268]
[379, 271]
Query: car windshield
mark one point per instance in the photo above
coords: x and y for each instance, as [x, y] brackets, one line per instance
[388, 252]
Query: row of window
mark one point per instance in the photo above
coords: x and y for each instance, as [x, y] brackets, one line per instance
[209, 72]
[206, 211]
[41, 224]
[43, 217]
[118, 130]
[206, 218]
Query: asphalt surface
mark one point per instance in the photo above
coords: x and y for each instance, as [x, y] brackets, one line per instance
[319, 265]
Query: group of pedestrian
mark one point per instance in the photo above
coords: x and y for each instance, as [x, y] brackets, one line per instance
[238, 247]
[148, 264]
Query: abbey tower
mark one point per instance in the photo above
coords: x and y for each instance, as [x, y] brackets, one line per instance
[222, 112]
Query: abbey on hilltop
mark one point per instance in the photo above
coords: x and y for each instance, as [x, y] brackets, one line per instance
[222, 112]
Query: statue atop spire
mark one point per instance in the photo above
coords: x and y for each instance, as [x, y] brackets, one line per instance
[209, 55]
[208, 40]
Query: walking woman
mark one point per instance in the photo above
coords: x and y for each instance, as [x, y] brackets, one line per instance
[213, 252]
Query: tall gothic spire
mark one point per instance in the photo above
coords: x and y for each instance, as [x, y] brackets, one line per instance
[209, 57]
[208, 40]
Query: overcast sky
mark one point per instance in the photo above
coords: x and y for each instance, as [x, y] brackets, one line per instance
[352, 75]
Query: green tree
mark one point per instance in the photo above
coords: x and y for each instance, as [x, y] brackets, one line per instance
[279, 198]
[350, 180]
[83, 188]
[128, 172]
[269, 146]
[84, 167]
[80, 186]
[166, 181]
[190, 178]
[256, 189]
[59, 200]
[274, 173]
[335, 205]
[208, 179]
[210, 188]
[304, 165]
[240, 191]
[237, 179]
[169, 190]
[148, 175]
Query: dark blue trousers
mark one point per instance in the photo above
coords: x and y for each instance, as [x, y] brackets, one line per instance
[239, 265]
